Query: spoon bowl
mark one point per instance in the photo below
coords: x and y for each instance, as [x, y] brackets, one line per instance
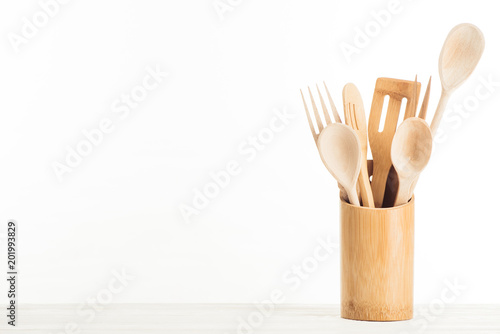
[340, 150]
[460, 54]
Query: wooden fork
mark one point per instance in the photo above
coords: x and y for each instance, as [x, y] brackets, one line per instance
[356, 120]
[319, 122]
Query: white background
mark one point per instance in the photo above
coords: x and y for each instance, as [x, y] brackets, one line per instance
[119, 209]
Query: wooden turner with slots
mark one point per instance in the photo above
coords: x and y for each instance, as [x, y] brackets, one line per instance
[380, 142]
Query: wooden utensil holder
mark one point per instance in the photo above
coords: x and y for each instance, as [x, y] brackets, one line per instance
[376, 248]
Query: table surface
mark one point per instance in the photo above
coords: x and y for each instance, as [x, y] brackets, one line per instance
[244, 319]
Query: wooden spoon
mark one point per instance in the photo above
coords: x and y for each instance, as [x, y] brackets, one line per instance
[410, 152]
[459, 56]
[340, 150]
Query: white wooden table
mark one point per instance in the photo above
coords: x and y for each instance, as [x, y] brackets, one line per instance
[228, 318]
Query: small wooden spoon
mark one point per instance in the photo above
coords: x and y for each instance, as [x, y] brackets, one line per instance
[459, 56]
[340, 150]
[410, 152]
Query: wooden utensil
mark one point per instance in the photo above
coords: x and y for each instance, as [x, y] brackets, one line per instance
[459, 56]
[380, 142]
[354, 113]
[423, 109]
[340, 150]
[319, 123]
[410, 152]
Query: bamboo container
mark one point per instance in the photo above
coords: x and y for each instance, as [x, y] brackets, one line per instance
[377, 262]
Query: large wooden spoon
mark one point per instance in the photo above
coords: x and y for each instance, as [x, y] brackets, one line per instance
[459, 56]
[410, 152]
[340, 150]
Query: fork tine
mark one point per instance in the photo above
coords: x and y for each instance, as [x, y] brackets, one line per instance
[332, 105]
[311, 126]
[423, 108]
[323, 106]
[415, 99]
[319, 123]
[354, 118]
[347, 114]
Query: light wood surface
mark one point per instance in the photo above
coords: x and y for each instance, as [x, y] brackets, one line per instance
[340, 150]
[354, 112]
[380, 142]
[376, 254]
[410, 153]
[459, 56]
[227, 318]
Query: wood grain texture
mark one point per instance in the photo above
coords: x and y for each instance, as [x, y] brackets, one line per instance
[377, 262]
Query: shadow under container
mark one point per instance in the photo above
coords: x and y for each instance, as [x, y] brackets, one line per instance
[376, 246]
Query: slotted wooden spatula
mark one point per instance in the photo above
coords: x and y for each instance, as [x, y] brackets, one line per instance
[380, 142]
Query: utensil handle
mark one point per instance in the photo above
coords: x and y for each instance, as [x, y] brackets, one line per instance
[405, 191]
[378, 183]
[365, 187]
[443, 101]
[353, 196]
